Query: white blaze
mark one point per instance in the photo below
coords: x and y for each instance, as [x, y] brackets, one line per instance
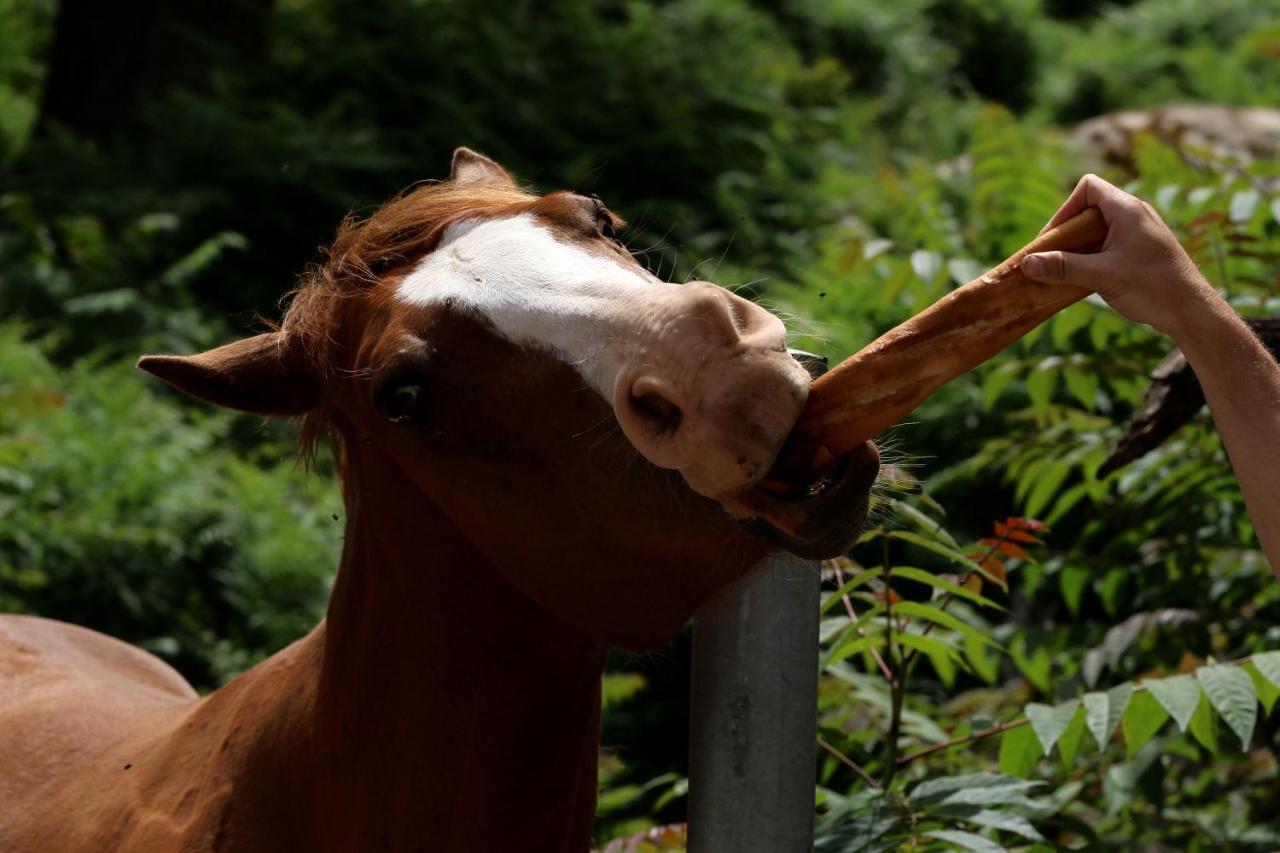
[535, 290]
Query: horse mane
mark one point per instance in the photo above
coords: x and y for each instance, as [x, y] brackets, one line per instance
[364, 252]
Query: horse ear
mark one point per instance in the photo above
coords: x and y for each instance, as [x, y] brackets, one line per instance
[472, 168]
[266, 375]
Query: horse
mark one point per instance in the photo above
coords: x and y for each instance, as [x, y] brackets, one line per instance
[535, 435]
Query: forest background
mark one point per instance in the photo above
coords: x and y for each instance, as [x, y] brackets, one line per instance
[167, 171]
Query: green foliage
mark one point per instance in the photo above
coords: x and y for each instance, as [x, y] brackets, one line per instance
[850, 161]
[950, 809]
[1163, 51]
[121, 511]
[22, 39]
[1040, 420]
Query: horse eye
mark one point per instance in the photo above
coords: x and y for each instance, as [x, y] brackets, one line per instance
[402, 403]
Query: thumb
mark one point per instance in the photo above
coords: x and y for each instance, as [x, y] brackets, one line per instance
[1060, 268]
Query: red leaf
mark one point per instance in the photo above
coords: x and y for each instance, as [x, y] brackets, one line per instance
[993, 568]
[1013, 551]
[1018, 523]
[894, 598]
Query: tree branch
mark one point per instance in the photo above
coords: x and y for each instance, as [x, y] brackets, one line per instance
[848, 608]
[972, 736]
[848, 762]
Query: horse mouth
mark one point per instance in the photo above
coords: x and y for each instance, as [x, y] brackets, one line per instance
[819, 519]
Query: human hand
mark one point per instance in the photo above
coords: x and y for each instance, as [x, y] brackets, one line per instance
[1141, 271]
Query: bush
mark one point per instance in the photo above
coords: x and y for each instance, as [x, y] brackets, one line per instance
[126, 513]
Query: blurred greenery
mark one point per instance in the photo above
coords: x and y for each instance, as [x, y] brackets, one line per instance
[844, 161]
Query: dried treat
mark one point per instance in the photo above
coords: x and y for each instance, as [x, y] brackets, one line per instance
[886, 380]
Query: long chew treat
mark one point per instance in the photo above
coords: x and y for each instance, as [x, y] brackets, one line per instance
[887, 379]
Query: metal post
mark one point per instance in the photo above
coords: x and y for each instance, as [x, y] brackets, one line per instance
[753, 721]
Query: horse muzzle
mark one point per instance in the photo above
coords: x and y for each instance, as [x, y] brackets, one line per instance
[819, 519]
[822, 520]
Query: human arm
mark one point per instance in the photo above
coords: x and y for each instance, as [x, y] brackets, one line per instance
[1145, 275]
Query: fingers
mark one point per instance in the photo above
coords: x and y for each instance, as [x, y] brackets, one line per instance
[1062, 268]
[1073, 205]
[1090, 191]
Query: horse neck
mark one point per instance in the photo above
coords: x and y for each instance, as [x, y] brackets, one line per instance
[448, 683]
[434, 698]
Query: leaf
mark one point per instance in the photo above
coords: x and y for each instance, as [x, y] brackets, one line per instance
[1105, 710]
[617, 687]
[850, 643]
[1177, 694]
[1035, 666]
[1006, 821]
[921, 576]
[847, 587]
[875, 248]
[855, 647]
[928, 525]
[981, 659]
[944, 665]
[1231, 692]
[966, 840]
[1110, 586]
[936, 790]
[1072, 581]
[936, 547]
[1050, 721]
[1083, 385]
[1007, 549]
[1067, 500]
[926, 264]
[964, 270]
[1040, 384]
[1267, 692]
[1142, 719]
[997, 380]
[1019, 751]
[929, 613]
[1166, 196]
[1070, 321]
[1051, 479]
[1268, 664]
[927, 645]
[1015, 534]
[992, 568]
[1204, 725]
[1243, 204]
[1097, 710]
[1069, 740]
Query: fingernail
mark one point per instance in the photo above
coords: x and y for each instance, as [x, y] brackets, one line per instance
[1033, 265]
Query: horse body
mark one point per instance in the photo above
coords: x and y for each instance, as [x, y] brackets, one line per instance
[534, 433]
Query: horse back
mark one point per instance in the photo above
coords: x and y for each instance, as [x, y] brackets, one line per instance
[70, 700]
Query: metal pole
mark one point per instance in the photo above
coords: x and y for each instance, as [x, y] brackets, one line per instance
[753, 721]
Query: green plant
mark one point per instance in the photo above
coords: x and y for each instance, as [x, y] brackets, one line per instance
[121, 511]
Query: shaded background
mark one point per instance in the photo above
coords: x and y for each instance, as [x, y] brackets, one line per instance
[169, 169]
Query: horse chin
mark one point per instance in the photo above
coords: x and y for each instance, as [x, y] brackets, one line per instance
[819, 520]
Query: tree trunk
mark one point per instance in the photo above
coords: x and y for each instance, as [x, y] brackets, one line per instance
[1172, 399]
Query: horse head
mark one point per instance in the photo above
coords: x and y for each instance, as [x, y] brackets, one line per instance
[576, 418]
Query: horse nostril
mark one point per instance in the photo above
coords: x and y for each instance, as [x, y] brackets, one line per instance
[739, 313]
[654, 401]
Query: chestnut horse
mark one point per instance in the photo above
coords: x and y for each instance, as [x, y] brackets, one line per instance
[535, 433]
